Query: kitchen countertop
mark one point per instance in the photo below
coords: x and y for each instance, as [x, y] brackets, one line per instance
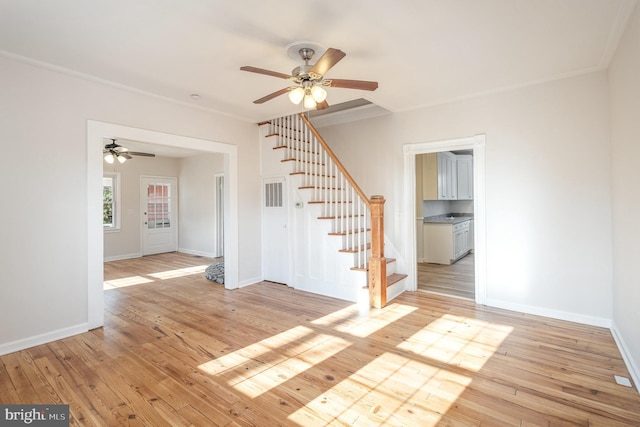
[450, 218]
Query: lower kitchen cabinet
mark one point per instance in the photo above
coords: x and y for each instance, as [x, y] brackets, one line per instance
[446, 243]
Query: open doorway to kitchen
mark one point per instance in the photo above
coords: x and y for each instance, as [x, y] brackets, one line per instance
[447, 222]
[444, 223]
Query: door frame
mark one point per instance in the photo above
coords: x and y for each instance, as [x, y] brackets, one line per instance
[219, 210]
[96, 133]
[175, 219]
[477, 144]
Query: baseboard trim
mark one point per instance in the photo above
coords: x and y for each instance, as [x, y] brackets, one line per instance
[121, 257]
[626, 356]
[197, 253]
[554, 314]
[253, 281]
[40, 339]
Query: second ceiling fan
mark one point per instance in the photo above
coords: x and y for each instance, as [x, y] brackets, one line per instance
[309, 79]
[115, 151]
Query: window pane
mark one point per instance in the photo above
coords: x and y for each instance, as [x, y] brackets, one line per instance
[107, 202]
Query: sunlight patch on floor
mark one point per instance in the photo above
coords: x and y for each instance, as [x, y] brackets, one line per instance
[179, 272]
[261, 381]
[459, 341]
[244, 357]
[418, 383]
[411, 382]
[124, 282]
[337, 316]
[376, 320]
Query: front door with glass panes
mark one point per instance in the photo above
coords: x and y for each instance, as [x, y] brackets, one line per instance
[159, 215]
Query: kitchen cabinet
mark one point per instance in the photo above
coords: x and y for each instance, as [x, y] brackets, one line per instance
[460, 239]
[464, 167]
[446, 243]
[439, 176]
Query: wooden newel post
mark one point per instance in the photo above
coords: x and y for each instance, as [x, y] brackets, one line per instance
[377, 262]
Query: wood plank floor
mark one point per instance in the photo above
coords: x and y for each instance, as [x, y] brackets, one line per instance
[455, 280]
[179, 350]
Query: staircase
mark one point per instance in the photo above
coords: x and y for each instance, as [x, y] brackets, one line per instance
[343, 212]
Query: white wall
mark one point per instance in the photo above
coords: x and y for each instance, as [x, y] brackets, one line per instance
[43, 126]
[548, 199]
[624, 84]
[197, 203]
[125, 242]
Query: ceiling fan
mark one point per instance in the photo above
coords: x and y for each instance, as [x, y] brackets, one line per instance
[114, 151]
[309, 79]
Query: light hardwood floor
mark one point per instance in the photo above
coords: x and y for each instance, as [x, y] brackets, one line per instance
[179, 350]
[457, 279]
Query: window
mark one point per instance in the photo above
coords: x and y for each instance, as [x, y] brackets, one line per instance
[111, 201]
[158, 205]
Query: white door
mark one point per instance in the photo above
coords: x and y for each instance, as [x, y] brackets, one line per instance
[158, 197]
[275, 240]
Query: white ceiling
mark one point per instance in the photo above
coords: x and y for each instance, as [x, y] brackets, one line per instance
[422, 52]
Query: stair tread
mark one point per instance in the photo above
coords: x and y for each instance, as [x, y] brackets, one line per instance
[364, 267]
[345, 216]
[356, 249]
[282, 147]
[315, 202]
[293, 159]
[394, 278]
[311, 174]
[345, 233]
[311, 187]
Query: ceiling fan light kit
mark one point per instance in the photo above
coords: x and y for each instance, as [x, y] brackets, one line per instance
[309, 79]
[296, 95]
[114, 151]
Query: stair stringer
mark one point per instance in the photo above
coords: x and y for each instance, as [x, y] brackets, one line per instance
[320, 267]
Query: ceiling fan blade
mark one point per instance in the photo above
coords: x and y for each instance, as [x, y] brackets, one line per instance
[322, 105]
[136, 153]
[271, 96]
[265, 72]
[125, 155]
[354, 84]
[330, 58]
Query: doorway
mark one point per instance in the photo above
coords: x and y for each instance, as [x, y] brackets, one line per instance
[477, 145]
[96, 131]
[444, 223]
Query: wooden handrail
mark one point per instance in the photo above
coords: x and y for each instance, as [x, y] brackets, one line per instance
[335, 159]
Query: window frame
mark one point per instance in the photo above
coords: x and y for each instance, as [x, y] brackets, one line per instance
[116, 202]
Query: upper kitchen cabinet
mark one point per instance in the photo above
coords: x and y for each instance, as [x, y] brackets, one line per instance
[439, 176]
[464, 164]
